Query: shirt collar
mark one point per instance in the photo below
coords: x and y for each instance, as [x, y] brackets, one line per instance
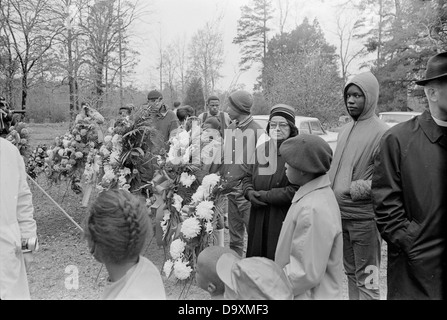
[440, 123]
[244, 122]
[317, 183]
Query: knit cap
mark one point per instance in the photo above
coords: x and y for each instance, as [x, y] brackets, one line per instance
[212, 122]
[283, 110]
[241, 101]
[154, 94]
[308, 153]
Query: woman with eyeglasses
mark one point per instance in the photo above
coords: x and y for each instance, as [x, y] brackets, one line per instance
[269, 191]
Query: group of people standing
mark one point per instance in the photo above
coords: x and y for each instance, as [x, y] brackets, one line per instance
[389, 185]
[317, 214]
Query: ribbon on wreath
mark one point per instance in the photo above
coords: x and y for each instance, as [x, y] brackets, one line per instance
[92, 182]
[161, 182]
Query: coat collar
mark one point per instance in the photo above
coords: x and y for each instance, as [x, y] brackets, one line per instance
[317, 183]
[433, 132]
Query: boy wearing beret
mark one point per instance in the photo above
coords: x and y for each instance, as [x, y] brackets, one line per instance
[310, 245]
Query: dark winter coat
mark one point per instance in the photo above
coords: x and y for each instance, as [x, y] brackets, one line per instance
[266, 221]
[410, 201]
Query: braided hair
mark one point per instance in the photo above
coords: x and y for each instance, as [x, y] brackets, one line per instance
[117, 226]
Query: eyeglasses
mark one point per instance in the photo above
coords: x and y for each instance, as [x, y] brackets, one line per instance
[354, 95]
[281, 125]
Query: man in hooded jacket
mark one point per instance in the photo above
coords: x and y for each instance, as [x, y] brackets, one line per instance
[350, 174]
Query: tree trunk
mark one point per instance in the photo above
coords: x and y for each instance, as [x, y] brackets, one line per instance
[99, 86]
[71, 78]
[24, 90]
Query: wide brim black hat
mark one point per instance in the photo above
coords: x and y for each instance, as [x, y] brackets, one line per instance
[436, 69]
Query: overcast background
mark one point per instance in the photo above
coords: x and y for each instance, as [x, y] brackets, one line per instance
[166, 20]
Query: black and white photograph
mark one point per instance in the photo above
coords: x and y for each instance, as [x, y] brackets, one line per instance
[205, 152]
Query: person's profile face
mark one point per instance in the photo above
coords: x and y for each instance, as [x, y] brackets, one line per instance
[124, 113]
[293, 175]
[233, 114]
[154, 102]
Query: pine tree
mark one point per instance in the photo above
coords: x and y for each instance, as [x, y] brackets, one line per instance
[252, 32]
[194, 95]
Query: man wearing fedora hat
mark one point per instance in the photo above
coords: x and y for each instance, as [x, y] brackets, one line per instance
[409, 187]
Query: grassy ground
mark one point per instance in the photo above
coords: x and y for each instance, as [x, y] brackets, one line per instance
[63, 254]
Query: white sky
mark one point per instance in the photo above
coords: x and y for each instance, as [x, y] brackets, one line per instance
[170, 19]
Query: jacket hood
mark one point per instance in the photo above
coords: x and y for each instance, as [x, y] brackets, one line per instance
[369, 85]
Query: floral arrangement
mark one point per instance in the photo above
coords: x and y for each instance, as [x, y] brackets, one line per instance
[36, 161]
[19, 136]
[188, 228]
[194, 202]
[67, 157]
[127, 159]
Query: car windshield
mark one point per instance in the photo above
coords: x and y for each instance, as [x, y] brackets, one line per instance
[396, 118]
[316, 128]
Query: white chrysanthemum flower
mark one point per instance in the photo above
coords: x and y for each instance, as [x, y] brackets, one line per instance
[174, 155]
[116, 139]
[204, 210]
[176, 249]
[125, 171]
[104, 151]
[209, 227]
[186, 155]
[122, 180]
[66, 143]
[181, 270]
[199, 195]
[190, 228]
[167, 268]
[61, 152]
[187, 179]
[108, 176]
[177, 202]
[183, 138]
[114, 157]
[210, 180]
[108, 138]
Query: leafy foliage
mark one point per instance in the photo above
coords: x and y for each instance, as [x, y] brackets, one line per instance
[194, 95]
[300, 69]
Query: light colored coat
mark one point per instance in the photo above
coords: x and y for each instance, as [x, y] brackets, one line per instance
[310, 245]
[142, 282]
[16, 222]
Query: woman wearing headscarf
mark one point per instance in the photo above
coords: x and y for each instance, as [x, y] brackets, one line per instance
[266, 186]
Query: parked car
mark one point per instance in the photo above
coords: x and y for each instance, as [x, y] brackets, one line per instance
[309, 125]
[394, 117]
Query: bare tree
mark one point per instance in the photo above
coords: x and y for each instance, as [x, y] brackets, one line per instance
[284, 9]
[206, 50]
[170, 70]
[8, 59]
[347, 27]
[105, 27]
[182, 61]
[32, 30]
